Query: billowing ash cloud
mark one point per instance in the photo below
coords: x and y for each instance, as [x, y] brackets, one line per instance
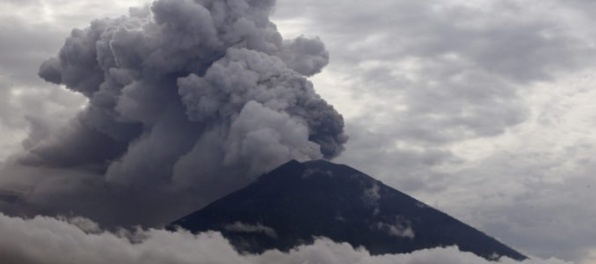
[188, 100]
[41, 240]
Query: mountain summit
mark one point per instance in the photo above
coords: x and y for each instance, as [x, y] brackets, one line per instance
[297, 202]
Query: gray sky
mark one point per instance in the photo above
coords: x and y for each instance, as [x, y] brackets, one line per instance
[482, 109]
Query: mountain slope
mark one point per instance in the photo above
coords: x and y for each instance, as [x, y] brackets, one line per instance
[297, 202]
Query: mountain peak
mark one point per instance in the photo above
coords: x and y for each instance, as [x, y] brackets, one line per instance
[297, 202]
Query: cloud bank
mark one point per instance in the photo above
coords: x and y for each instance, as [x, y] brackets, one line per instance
[49, 240]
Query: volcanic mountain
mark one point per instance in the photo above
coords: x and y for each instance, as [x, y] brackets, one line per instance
[298, 202]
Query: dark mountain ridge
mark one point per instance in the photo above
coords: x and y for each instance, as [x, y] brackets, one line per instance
[297, 202]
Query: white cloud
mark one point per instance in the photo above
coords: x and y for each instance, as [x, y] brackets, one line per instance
[48, 240]
[482, 109]
[248, 228]
[400, 228]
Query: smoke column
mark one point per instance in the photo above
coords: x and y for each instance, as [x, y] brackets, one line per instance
[187, 101]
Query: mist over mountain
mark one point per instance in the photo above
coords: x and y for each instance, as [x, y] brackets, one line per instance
[298, 202]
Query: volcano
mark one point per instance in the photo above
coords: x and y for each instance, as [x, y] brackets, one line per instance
[298, 202]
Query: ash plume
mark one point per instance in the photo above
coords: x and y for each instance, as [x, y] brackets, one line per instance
[187, 101]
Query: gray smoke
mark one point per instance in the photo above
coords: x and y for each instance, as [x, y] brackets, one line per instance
[187, 101]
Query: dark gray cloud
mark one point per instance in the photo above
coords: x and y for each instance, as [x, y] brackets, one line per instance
[502, 37]
[304, 55]
[412, 168]
[441, 79]
[185, 104]
[436, 73]
[26, 99]
[24, 47]
[543, 204]
[455, 69]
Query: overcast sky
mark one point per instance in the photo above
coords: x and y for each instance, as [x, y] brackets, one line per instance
[482, 109]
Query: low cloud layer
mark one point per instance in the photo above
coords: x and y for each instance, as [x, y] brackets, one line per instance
[48, 240]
